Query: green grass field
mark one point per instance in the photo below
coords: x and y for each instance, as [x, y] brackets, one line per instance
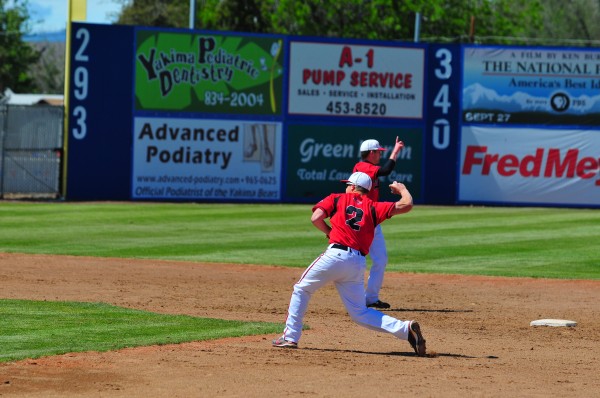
[501, 241]
[31, 329]
[514, 242]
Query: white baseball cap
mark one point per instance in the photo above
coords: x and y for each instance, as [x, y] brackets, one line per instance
[360, 179]
[371, 145]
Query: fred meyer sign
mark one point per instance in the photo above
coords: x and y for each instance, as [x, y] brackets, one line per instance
[320, 156]
[531, 166]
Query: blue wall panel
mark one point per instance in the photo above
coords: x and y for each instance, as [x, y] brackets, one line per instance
[100, 113]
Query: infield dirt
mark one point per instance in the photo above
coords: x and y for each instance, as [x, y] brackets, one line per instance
[479, 327]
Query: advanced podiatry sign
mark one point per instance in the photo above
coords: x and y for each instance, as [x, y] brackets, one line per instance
[209, 73]
[337, 79]
[531, 86]
[176, 159]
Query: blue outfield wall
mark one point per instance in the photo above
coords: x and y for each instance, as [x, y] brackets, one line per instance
[181, 115]
[442, 129]
[100, 109]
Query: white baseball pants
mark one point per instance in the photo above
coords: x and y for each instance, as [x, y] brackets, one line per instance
[345, 268]
[378, 253]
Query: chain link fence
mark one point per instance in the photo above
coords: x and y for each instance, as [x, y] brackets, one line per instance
[31, 148]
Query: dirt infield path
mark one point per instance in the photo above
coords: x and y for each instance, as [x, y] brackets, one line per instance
[479, 327]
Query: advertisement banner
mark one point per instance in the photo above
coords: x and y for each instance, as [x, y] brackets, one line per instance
[210, 73]
[530, 166]
[319, 156]
[220, 160]
[337, 79]
[504, 85]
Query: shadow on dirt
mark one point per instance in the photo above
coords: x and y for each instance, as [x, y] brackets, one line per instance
[423, 310]
[400, 354]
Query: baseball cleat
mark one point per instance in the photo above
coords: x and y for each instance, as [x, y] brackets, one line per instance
[416, 339]
[378, 304]
[283, 343]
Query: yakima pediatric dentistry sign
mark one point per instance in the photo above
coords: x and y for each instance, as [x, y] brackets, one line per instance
[208, 73]
[530, 166]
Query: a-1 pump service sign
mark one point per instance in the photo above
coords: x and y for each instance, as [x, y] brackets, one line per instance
[336, 79]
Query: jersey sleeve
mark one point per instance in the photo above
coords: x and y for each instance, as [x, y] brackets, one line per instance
[383, 210]
[326, 204]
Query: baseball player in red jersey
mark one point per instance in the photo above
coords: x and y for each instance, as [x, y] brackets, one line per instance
[353, 218]
[371, 152]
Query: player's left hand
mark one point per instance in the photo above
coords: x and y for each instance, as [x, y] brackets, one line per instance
[397, 187]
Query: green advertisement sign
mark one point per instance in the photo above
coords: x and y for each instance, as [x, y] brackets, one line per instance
[319, 156]
[209, 73]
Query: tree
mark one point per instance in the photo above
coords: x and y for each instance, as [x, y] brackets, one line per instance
[236, 15]
[49, 72]
[442, 20]
[231, 15]
[375, 19]
[16, 56]
[485, 21]
[158, 13]
[572, 24]
[456, 20]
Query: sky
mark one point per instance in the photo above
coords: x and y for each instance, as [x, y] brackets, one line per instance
[51, 15]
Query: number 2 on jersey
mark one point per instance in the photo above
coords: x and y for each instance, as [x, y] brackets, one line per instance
[356, 217]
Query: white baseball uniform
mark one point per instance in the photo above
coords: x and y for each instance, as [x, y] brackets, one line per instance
[353, 220]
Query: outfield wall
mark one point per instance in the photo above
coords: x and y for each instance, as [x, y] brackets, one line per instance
[180, 115]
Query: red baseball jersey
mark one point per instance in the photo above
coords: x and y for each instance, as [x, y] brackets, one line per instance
[371, 170]
[353, 218]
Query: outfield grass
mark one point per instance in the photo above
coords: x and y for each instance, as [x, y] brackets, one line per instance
[503, 241]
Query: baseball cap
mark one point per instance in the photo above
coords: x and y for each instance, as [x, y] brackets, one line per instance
[360, 179]
[371, 145]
